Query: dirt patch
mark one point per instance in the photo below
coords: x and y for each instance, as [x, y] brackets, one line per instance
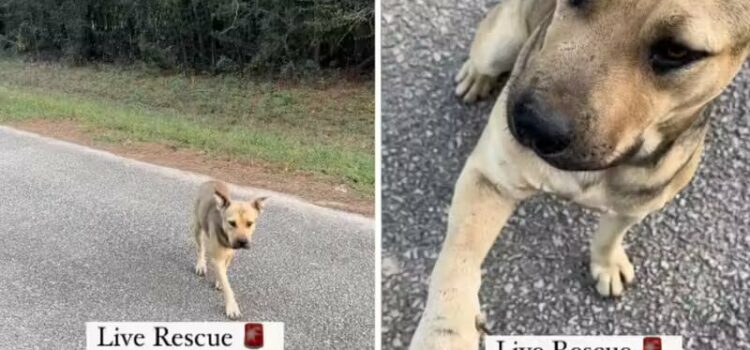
[320, 192]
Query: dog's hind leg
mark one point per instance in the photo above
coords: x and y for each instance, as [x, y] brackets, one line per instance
[451, 319]
[497, 43]
[231, 308]
[200, 248]
[610, 265]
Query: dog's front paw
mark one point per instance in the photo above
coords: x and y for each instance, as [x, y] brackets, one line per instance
[450, 321]
[200, 268]
[447, 333]
[233, 310]
[612, 273]
[217, 285]
[472, 85]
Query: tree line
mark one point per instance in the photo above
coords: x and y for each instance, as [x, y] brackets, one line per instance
[203, 35]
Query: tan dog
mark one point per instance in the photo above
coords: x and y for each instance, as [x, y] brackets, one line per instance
[221, 226]
[604, 107]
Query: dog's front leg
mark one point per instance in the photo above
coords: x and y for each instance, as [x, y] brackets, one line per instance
[228, 262]
[200, 250]
[497, 43]
[231, 307]
[610, 265]
[450, 319]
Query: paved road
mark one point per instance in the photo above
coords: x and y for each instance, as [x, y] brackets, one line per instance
[692, 259]
[86, 236]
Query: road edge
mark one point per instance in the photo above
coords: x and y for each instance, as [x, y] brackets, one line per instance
[275, 197]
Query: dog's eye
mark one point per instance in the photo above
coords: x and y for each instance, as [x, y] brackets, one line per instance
[232, 223]
[249, 223]
[668, 55]
[577, 3]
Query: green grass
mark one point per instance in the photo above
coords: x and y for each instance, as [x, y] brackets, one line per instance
[325, 129]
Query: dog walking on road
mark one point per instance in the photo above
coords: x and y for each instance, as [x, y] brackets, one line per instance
[221, 226]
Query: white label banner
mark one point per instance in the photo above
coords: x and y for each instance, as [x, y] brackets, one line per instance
[583, 343]
[184, 335]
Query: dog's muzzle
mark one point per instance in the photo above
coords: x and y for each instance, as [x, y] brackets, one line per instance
[550, 133]
[241, 243]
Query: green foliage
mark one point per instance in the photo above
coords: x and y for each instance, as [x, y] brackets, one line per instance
[321, 130]
[203, 35]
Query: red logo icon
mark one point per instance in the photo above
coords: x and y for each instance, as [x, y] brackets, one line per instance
[254, 336]
[651, 343]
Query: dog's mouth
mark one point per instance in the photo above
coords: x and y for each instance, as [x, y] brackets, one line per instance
[241, 245]
[571, 165]
[570, 161]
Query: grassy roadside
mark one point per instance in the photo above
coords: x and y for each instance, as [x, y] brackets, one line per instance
[325, 130]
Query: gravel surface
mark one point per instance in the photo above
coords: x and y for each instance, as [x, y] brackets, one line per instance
[93, 237]
[692, 259]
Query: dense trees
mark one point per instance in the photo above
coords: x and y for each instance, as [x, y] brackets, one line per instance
[203, 35]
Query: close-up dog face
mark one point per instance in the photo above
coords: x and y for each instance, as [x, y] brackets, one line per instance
[239, 219]
[604, 80]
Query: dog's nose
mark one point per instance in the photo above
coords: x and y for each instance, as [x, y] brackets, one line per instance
[537, 126]
[242, 242]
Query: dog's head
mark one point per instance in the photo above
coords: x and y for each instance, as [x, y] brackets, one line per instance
[239, 219]
[603, 80]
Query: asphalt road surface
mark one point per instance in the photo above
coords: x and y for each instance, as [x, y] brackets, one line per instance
[692, 259]
[87, 236]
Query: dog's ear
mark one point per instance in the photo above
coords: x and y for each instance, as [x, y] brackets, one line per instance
[222, 202]
[259, 203]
